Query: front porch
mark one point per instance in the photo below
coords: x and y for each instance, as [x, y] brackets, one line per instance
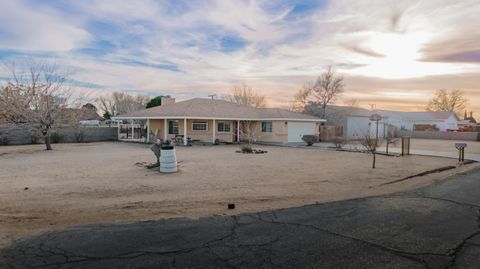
[180, 131]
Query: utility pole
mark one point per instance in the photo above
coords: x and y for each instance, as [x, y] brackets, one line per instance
[212, 96]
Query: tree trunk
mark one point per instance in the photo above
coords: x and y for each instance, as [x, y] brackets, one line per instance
[48, 144]
[374, 155]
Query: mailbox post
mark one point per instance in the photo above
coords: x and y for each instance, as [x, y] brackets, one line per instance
[461, 151]
[376, 118]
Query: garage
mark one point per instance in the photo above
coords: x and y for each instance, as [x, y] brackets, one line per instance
[298, 129]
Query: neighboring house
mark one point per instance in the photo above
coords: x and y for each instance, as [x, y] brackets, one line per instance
[418, 121]
[72, 116]
[207, 120]
[356, 121]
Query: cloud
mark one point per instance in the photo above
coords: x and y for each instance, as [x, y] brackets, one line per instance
[28, 28]
[385, 48]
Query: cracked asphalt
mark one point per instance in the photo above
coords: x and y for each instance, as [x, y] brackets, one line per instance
[434, 227]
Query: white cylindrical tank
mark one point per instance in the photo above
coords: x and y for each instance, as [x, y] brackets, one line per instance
[168, 159]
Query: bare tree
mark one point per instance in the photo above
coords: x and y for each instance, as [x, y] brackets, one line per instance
[245, 95]
[370, 144]
[36, 98]
[451, 101]
[322, 92]
[120, 103]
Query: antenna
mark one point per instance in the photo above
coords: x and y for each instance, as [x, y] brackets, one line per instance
[212, 96]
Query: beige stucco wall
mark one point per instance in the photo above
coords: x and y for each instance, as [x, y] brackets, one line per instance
[204, 136]
[279, 132]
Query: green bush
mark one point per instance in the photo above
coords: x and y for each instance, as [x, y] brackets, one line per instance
[310, 139]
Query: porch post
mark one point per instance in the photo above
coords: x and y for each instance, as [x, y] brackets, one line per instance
[133, 131]
[165, 130]
[148, 130]
[238, 130]
[118, 131]
[185, 141]
[213, 137]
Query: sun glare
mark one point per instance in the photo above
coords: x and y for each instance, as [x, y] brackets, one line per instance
[400, 57]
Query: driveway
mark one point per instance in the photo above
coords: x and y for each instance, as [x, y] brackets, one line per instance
[434, 227]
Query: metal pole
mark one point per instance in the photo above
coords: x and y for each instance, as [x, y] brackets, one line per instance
[376, 144]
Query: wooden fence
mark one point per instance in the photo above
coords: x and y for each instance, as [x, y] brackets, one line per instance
[328, 132]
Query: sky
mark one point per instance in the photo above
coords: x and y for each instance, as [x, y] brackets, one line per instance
[392, 54]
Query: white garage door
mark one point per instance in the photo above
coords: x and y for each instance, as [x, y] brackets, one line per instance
[298, 129]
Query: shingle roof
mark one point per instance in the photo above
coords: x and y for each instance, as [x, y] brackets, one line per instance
[208, 108]
[77, 114]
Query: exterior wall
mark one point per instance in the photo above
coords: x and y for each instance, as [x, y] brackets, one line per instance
[20, 136]
[156, 127]
[466, 136]
[204, 136]
[207, 136]
[358, 127]
[279, 132]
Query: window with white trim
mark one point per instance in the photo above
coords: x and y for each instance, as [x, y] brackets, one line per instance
[200, 126]
[173, 127]
[223, 127]
[266, 126]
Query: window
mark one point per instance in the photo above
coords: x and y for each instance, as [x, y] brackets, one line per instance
[173, 127]
[223, 127]
[199, 126]
[266, 126]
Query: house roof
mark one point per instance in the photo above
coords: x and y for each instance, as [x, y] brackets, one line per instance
[77, 114]
[410, 116]
[419, 116]
[214, 109]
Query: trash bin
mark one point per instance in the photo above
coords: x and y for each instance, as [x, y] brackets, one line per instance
[168, 159]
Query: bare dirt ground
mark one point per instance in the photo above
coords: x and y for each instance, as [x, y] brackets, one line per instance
[100, 183]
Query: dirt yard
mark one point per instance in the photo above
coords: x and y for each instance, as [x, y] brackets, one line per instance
[100, 182]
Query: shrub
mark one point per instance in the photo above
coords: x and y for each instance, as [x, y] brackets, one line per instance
[246, 148]
[338, 142]
[55, 138]
[310, 139]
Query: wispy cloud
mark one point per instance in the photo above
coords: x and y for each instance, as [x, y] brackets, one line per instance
[194, 48]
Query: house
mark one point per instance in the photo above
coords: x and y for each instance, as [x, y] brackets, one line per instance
[356, 121]
[208, 120]
[80, 116]
[422, 121]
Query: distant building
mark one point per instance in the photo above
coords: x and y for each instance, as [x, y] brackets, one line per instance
[80, 116]
[356, 122]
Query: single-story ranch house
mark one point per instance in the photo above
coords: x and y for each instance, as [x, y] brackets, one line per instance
[207, 120]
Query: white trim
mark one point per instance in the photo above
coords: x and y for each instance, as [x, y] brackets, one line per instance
[200, 131]
[165, 129]
[213, 132]
[148, 130]
[215, 118]
[185, 140]
[238, 131]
